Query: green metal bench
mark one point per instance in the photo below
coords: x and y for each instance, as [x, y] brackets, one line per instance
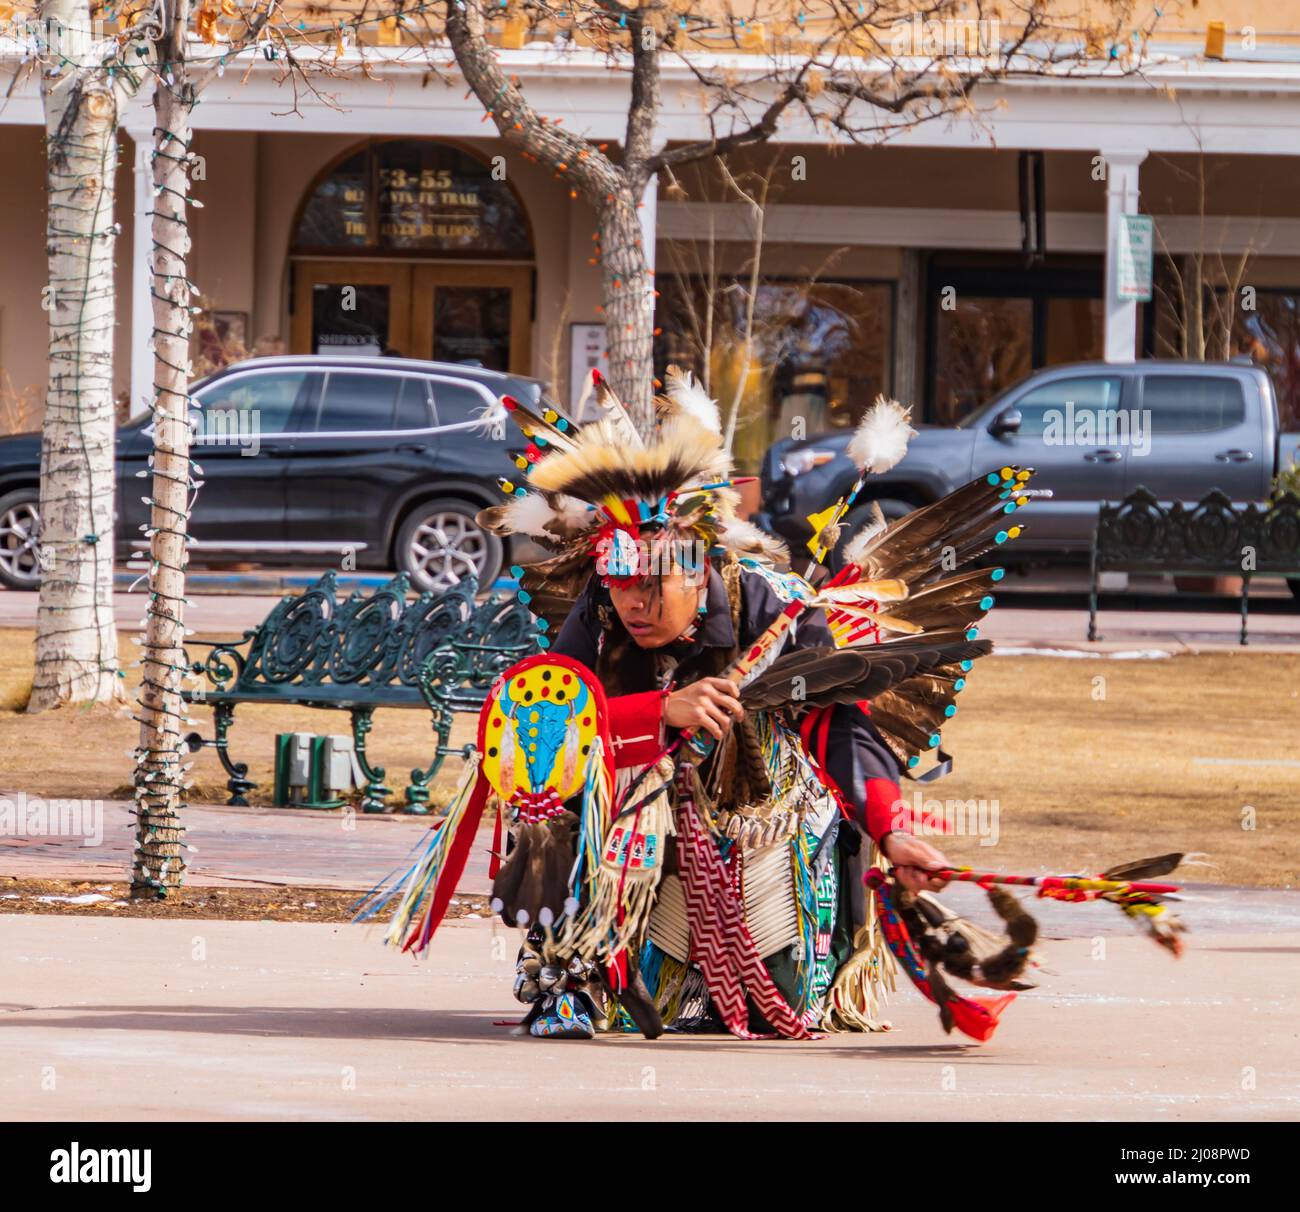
[1210, 536]
[440, 651]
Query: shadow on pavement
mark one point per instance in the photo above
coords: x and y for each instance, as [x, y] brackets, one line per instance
[432, 1026]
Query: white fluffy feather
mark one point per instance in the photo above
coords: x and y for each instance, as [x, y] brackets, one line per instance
[880, 440]
[738, 534]
[490, 420]
[529, 514]
[857, 546]
[533, 515]
[571, 515]
[681, 387]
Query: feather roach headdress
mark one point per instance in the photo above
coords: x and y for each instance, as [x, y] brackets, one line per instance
[603, 493]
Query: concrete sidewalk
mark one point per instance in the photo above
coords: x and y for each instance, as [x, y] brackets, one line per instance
[1052, 617]
[246, 846]
[118, 1020]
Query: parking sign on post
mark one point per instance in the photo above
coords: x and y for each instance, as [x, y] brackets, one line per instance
[1137, 240]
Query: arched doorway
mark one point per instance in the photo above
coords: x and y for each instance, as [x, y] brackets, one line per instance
[414, 247]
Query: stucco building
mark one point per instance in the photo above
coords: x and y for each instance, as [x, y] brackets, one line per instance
[940, 267]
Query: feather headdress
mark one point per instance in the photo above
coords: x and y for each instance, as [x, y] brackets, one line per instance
[685, 396]
[596, 490]
[878, 445]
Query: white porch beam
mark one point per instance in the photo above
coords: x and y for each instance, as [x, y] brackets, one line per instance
[1053, 117]
[951, 227]
[1120, 341]
[1236, 108]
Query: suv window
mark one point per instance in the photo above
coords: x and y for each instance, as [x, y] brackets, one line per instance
[245, 404]
[357, 402]
[413, 411]
[1192, 403]
[1065, 401]
[456, 403]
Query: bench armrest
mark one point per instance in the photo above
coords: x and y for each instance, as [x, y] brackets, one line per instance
[218, 670]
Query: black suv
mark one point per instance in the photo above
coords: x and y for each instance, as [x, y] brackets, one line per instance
[346, 462]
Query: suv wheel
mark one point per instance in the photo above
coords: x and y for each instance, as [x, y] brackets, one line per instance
[440, 543]
[20, 530]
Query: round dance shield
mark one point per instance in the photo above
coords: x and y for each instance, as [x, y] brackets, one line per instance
[537, 728]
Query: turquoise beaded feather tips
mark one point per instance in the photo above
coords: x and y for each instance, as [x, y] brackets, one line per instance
[936, 551]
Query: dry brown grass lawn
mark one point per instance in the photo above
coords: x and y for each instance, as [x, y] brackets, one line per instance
[291, 904]
[1084, 773]
[1088, 772]
[84, 752]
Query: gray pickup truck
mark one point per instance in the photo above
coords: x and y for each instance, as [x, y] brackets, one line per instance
[1094, 431]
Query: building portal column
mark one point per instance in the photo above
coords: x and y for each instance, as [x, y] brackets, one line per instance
[1121, 199]
[142, 275]
[908, 345]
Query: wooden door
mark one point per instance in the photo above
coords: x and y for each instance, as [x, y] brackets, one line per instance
[479, 313]
[357, 307]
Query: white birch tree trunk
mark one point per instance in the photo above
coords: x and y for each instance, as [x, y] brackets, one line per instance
[76, 643]
[159, 781]
[629, 305]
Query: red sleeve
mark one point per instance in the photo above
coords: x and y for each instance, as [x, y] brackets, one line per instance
[883, 809]
[636, 728]
[852, 758]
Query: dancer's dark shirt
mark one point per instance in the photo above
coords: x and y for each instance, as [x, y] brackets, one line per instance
[842, 739]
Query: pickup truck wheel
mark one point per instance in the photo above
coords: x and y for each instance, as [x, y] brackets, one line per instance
[20, 530]
[440, 543]
[892, 509]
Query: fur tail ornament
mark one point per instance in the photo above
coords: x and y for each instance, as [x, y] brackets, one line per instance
[976, 1017]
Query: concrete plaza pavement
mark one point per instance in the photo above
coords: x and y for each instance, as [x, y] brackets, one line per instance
[243, 846]
[1043, 611]
[113, 1019]
[125, 1019]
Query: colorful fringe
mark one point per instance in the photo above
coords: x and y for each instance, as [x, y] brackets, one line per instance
[720, 939]
[423, 891]
[624, 875]
[864, 981]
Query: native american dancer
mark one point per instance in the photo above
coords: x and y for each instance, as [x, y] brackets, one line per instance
[701, 773]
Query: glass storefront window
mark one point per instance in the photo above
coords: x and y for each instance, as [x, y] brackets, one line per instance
[993, 321]
[337, 215]
[1270, 337]
[1076, 331]
[472, 324]
[416, 196]
[820, 354]
[353, 323]
[982, 346]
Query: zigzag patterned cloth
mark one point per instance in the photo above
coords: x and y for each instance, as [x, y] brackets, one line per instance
[720, 940]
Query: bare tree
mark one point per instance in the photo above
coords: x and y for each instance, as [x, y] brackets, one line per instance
[720, 309]
[1200, 290]
[185, 62]
[85, 81]
[857, 71]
